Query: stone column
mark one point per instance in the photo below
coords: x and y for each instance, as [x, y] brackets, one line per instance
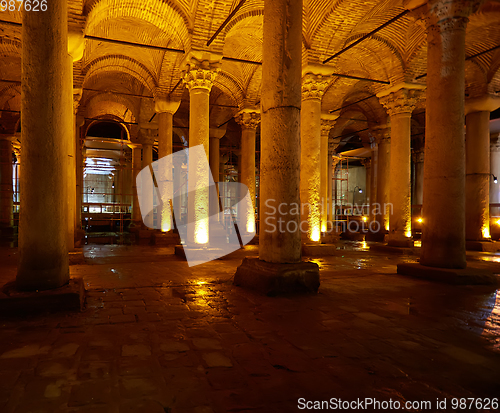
[418, 160]
[147, 140]
[477, 166]
[443, 228]
[279, 267]
[310, 142]
[495, 170]
[199, 77]
[6, 187]
[165, 109]
[136, 218]
[477, 180]
[248, 120]
[327, 123]
[399, 102]
[332, 186]
[43, 240]
[367, 163]
[80, 142]
[373, 183]
[382, 210]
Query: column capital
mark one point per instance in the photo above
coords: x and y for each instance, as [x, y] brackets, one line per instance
[147, 136]
[417, 155]
[401, 98]
[495, 142]
[485, 103]
[313, 85]
[450, 14]
[382, 134]
[216, 132]
[336, 160]
[77, 96]
[200, 69]
[248, 118]
[166, 106]
[327, 123]
[366, 162]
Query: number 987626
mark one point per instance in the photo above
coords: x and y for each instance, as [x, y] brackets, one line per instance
[20, 5]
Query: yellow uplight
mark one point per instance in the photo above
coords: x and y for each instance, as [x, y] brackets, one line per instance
[365, 219]
[486, 232]
[251, 222]
[420, 220]
[408, 234]
[315, 234]
[201, 231]
[498, 221]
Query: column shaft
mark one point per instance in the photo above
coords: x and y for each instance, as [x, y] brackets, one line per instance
[383, 208]
[280, 131]
[136, 168]
[43, 240]
[400, 180]
[324, 200]
[248, 172]
[199, 204]
[6, 185]
[373, 184]
[495, 170]
[477, 181]
[443, 229]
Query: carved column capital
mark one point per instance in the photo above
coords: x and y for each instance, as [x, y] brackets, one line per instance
[248, 119]
[446, 15]
[327, 123]
[201, 69]
[381, 134]
[335, 161]
[147, 136]
[401, 99]
[313, 86]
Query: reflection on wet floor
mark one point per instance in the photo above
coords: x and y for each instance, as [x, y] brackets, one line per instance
[187, 339]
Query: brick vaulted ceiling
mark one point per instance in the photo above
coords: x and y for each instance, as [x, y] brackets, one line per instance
[120, 80]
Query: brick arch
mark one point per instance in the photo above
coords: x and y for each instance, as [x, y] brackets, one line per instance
[393, 48]
[230, 86]
[108, 117]
[9, 92]
[112, 99]
[165, 15]
[119, 63]
[10, 47]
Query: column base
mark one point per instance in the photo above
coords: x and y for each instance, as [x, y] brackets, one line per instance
[485, 246]
[69, 297]
[466, 276]
[400, 242]
[169, 238]
[275, 278]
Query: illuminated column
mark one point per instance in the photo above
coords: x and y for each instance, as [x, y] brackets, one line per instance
[443, 228]
[373, 183]
[6, 186]
[199, 77]
[136, 168]
[418, 160]
[310, 160]
[165, 109]
[43, 239]
[215, 135]
[333, 160]
[399, 102]
[280, 130]
[382, 209]
[495, 170]
[327, 123]
[249, 120]
[79, 122]
[367, 163]
[477, 179]
[477, 166]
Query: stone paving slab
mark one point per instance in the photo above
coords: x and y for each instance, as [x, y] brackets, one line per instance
[179, 339]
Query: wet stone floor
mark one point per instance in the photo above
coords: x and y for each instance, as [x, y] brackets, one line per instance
[157, 336]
